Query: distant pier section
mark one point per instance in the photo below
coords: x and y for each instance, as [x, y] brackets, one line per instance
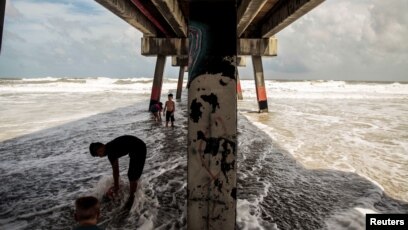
[210, 39]
[2, 13]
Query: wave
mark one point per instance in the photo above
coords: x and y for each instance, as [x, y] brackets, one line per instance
[317, 89]
[327, 89]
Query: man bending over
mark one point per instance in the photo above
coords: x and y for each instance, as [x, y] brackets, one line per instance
[120, 146]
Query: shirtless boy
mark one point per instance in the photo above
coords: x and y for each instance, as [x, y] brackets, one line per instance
[169, 109]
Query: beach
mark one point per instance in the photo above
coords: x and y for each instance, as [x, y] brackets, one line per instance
[324, 155]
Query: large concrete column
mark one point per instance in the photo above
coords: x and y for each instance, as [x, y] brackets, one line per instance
[180, 82]
[260, 84]
[158, 79]
[212, 123]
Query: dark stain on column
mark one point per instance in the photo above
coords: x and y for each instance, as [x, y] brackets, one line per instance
[212, 146]
[234, 193]
[223, 83]
[226, 166]
[195, 109]
[212, 100]
[218, 185]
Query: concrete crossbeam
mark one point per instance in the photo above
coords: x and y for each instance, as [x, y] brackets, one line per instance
[247, 12]
[125, 10]
[179, 61]
[164, 46]
[288, 12]
[179, 46]
[171, 11]
[183, 61]
[241, 61]
[258, 47]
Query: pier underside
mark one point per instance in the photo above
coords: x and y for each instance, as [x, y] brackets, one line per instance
[206, 37]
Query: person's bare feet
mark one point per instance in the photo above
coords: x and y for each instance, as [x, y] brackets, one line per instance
[129, 202]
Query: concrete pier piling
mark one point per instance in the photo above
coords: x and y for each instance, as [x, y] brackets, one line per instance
[239, 89]
[157, 80]
[260, 84]
[212, 121]
[2, 13]
[180, 82]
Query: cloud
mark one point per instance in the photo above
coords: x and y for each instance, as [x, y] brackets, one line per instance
[363, 40]
[59, 38]
[340, 39]
[11, 11]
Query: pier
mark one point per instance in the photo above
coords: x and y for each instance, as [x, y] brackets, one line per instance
[2, 13]
[210, 39]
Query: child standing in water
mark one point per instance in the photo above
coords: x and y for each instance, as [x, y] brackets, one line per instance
[156, 109]
[171, 107]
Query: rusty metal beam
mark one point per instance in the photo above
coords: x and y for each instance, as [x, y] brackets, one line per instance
[149, 15]
[285, 14]
[171, 11]
[128, 12]
[247, 12]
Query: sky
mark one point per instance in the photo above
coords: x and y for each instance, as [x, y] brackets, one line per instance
[338, 40]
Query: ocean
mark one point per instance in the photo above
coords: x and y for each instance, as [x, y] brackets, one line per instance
[327, 153]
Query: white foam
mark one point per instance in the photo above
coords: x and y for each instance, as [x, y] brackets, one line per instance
[361, 133]
[86, 85]
[244, 216]
[327, 89]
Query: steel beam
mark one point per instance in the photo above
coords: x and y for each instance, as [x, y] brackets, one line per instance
[171, 11]
[285, 14]
[128, 12]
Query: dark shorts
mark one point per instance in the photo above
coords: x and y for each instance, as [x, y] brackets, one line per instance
[136, 164]
[169, 115]
[154, 109]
